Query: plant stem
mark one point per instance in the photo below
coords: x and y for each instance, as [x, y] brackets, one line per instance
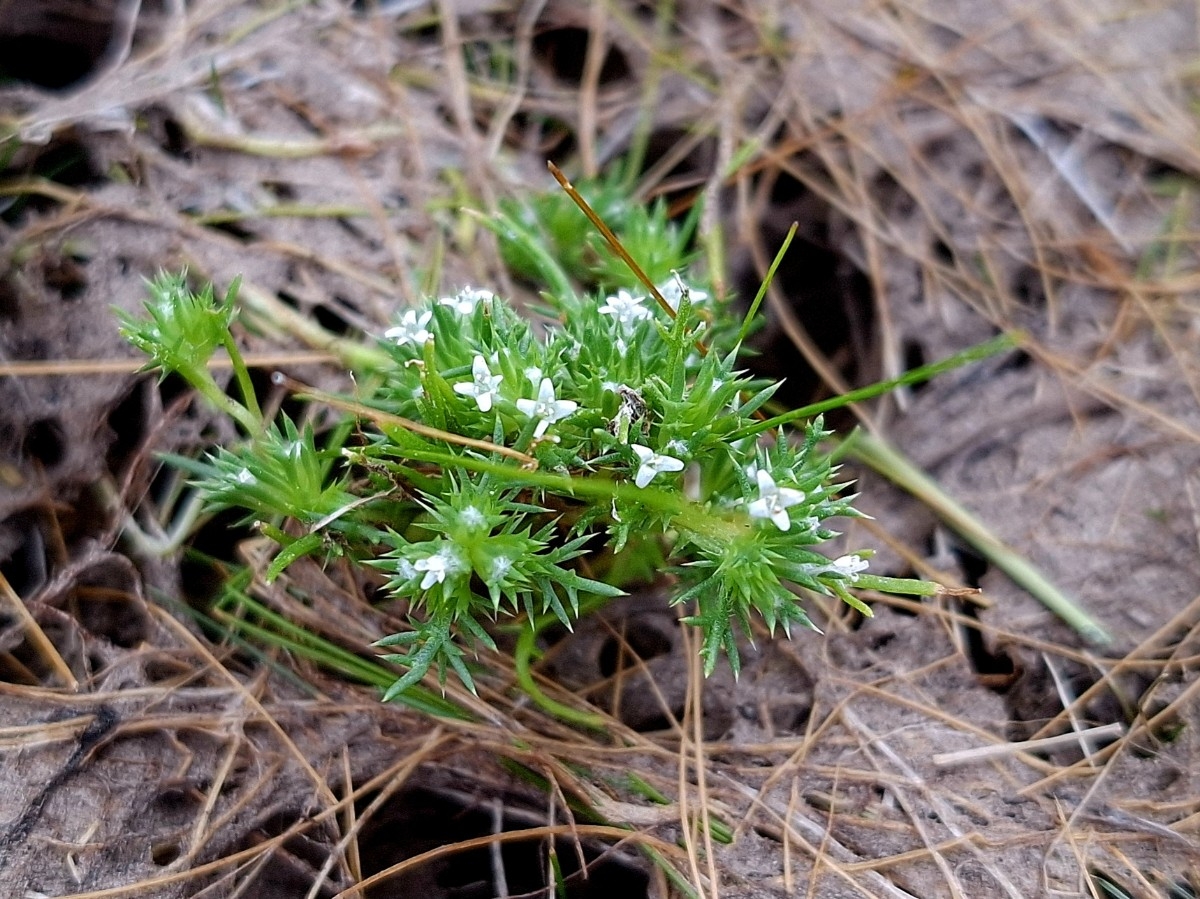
[522, 655]
[916, 376]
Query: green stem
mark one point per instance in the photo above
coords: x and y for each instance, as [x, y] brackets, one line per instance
[522, 656]
[904, 586]
[202, 380]
[916, 376]
[277, 630]
[242, 374]
[762, 290]
[558, 284]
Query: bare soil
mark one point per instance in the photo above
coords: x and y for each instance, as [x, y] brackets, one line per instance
[957, 169]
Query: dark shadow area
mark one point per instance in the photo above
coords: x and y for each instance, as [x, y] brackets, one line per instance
[420, 820]
[822, 287]
[564, 52]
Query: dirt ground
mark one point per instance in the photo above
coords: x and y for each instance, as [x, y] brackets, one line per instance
[957, 169]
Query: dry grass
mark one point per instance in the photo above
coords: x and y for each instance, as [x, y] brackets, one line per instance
[956, 169]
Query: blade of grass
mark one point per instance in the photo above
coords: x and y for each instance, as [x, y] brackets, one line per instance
[277, 630]
[762, 290]
[915, 376]
[613, 243]
[522, 657]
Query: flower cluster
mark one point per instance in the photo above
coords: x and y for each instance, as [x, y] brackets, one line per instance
[579, 403]
[490, 456]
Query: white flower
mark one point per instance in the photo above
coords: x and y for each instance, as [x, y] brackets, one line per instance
[483, 384]
[436, 567]
[625, 308]
[467, 299]
[849, 566]
[534, 374]
[499, 569]
[546, 408]
[773, 501]
[652, 463]
[672, 291]
[245, 477]
[472, 517]
[411, 328]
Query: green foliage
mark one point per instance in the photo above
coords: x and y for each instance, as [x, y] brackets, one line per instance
[546, 240]
[489, 458]
[183, 331]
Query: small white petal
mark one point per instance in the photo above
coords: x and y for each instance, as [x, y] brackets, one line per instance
[465, 301]
[625, 308]
[563, 408]
[669, 463]
[412, 328]
[652, 463]
[644, 453]
[500, 567]
[483, 384]
[437, 567]
[471, 517]
[434, 568]
[850, 565]
[672, 291]
[645, 474]
[789, 496]
[546, 408]
[773, 501]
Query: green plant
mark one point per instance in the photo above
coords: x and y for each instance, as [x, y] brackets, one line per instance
[545, 240]
[500, 469]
